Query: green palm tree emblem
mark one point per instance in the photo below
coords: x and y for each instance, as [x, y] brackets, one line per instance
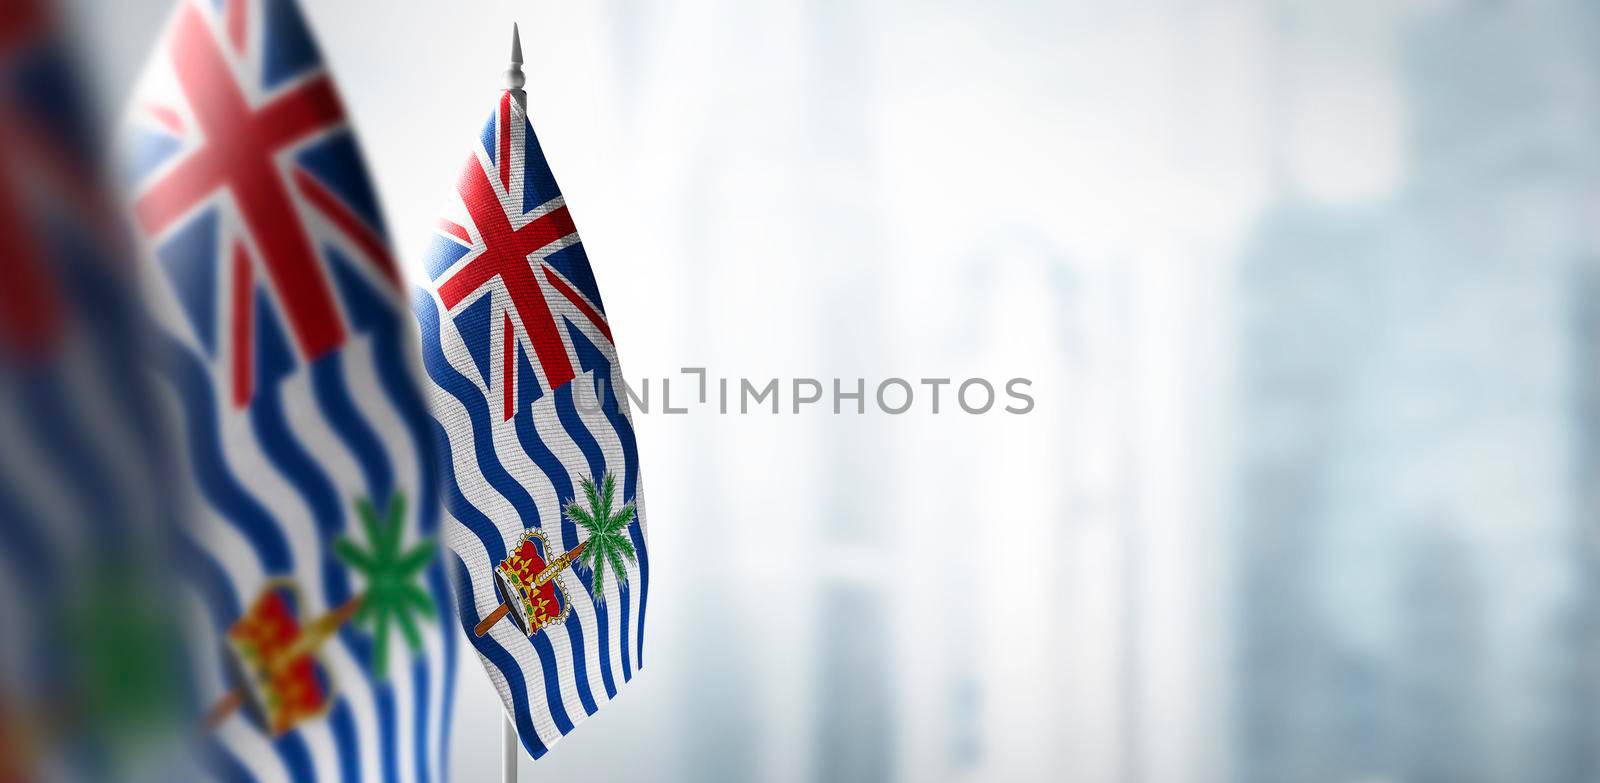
[394, 594]
[608, 543]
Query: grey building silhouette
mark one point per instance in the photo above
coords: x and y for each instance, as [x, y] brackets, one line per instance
[1414, 598]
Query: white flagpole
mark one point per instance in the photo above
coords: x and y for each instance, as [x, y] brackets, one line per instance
[514, 77]
[508, 750]
[508, 730]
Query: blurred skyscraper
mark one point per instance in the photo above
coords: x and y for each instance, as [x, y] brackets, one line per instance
[855, 717]
[1412, 456]
[1580, 636]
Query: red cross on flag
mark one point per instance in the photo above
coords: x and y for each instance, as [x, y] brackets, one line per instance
[237, 124]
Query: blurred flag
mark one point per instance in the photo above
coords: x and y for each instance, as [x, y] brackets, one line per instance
[541, 470]
[316, 597]
[88, 673]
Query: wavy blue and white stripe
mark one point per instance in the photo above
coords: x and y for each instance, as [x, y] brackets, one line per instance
[276, 485]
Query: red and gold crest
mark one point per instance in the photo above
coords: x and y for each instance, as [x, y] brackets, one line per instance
[534, 590]
[282, 681]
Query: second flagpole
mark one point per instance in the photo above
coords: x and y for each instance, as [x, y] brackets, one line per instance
[508, 730]
[508, 750]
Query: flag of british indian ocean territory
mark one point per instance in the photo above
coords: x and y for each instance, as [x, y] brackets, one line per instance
[315, 596]
[540, 467]
[85, 652]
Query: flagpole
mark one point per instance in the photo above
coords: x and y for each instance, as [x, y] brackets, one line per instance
[514, 77]
[508, 731]
[508, 750]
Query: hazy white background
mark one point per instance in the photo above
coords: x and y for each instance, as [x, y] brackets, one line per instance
[1079, 193]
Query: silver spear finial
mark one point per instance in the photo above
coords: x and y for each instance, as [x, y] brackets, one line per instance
[514, 77]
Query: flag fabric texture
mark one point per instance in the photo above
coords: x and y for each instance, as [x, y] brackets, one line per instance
[314, 594]
[539, 462]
